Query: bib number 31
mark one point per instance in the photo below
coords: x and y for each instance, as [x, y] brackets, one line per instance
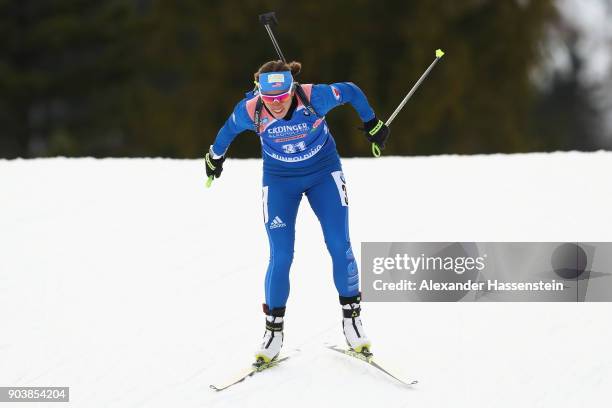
[295, 147]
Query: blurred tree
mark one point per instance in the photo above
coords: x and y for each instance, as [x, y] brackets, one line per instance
[578, 128]
[566, 112]
[158, 78]
[62, 69]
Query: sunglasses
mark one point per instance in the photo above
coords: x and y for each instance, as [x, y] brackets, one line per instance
[278, 97]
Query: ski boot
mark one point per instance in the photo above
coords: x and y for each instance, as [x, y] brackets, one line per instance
[273, 336]
[352, 327]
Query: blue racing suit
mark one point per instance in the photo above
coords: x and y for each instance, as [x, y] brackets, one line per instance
[300, 158]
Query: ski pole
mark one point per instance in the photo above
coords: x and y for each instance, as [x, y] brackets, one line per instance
[269, 19]
[439, 54]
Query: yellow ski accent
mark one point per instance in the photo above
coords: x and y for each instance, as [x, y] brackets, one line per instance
[365, 347]
[266, 359]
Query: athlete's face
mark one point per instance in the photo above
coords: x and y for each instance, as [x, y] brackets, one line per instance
[278, 106]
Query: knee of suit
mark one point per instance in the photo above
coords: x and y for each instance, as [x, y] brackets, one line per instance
[337, 247]
[281, 258]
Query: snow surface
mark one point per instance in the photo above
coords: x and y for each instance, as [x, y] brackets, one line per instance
[130, 282]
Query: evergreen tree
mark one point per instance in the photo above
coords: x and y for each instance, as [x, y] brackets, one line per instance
[158, 78]
[62, 69]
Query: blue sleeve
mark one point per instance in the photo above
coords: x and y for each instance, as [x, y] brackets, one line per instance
[239, 121]
[326, 97]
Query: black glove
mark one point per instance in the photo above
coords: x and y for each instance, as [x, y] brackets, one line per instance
[214, 167]
[376, 132]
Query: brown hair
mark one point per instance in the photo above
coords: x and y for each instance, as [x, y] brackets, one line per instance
[278, 65]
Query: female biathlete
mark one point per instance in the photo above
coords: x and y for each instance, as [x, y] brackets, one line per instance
[300, 157]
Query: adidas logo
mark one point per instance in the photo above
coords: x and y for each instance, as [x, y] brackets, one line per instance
[277, 223]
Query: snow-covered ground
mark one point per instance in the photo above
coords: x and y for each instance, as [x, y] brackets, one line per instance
[136, 286]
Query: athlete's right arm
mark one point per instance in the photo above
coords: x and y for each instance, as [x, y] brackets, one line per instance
[238, 121]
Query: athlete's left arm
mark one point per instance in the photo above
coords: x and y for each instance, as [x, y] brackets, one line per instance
[326, 97]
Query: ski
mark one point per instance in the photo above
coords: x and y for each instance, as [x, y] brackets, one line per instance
[254, 369]
[368, 358]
